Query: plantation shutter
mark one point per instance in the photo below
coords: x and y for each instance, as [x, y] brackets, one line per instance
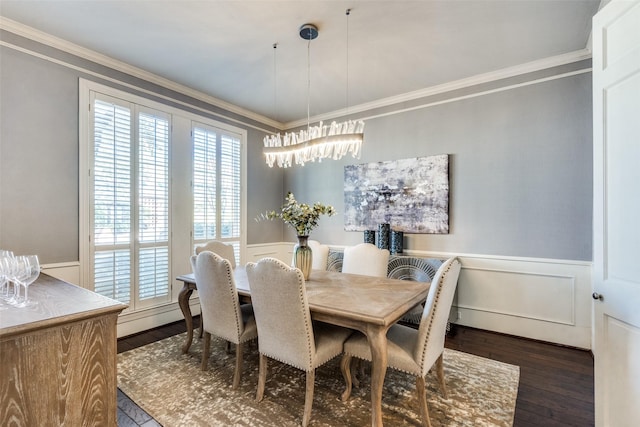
[130, 202]
[204, 184]
[216, 186]
[112, 210]
[153, 207]
[230, 187]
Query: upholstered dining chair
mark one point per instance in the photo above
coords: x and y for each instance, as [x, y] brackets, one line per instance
[285, 330]
[414, 351]
[365, 259]
[225, 250]
[222, 314]
[414, 269]
[320, 255]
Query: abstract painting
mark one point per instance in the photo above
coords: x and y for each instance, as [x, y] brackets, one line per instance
[410, 194]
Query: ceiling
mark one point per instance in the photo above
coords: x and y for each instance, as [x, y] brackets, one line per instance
[225, 48]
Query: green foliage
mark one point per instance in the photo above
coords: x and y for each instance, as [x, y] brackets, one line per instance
[300, 216]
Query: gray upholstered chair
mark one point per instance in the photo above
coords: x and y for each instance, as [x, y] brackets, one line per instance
[365, 259]
[222, 314]
[222, 249]
[285, 330]
[410, 350]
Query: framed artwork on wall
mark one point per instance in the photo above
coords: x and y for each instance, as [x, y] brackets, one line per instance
[410, 194]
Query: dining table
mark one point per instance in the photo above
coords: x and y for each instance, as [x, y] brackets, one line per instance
[364, 303]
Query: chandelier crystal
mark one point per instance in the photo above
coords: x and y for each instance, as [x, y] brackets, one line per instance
[315, 142]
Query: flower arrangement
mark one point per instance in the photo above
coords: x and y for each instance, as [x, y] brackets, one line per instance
[300, 216]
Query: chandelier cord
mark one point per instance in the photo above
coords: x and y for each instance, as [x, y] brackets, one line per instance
[347, 94]
[275, 83]
[308, 83]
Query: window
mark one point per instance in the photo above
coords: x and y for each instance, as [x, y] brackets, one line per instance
[216, 186]
[156, 180]
[130, 189]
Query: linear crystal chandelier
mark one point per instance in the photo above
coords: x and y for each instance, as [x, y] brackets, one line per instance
[323, 141]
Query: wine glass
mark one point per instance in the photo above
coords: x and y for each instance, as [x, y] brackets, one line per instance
[6, 274]
[27, 272]
[5, 257]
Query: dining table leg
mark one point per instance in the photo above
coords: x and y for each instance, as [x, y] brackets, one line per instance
[377, 338]
[183, 301]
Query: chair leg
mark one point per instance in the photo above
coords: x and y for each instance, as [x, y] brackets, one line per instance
[361, 367]
[262, 377]
[238, 372]
[357, 366]
[345, 367]
[440, 375]
[422, 399]
[308, 397]
[205, 351]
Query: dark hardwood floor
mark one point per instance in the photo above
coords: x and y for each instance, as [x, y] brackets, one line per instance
[556, 382]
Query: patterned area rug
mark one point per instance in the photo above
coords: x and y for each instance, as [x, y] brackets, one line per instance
[171, 387]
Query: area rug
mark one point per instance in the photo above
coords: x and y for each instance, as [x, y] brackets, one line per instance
[171, 387]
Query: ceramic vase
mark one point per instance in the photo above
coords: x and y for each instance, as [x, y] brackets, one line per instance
[303, 256]
[383, 235]
[397, 238]
[370, 236]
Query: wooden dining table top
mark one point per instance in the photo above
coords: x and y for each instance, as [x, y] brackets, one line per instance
[373, 300]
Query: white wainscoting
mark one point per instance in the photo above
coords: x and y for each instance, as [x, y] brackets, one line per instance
[543, 299]
[282, 251]
[548, 300]
[66, 271]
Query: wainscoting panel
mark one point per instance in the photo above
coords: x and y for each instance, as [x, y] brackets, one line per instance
[547, 300]
[67, 271]
[543, 299]
[518, 293]
[281, 251]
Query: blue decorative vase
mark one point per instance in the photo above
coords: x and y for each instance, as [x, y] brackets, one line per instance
[370, 236]
[383, 235]
[397, 238]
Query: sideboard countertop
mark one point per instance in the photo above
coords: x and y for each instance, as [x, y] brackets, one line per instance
[58, 302]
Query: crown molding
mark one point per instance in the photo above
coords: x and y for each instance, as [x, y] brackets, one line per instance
[84, 53]
[517, 70]
[90, 55]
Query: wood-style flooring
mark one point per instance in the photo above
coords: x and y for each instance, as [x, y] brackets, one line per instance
[556, 382]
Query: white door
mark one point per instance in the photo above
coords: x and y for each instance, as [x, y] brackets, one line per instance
[616, 237]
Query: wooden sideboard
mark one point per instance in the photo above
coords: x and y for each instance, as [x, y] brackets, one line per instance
[58, 358]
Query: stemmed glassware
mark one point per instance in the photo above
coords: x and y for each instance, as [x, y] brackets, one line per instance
[27, 271]
[6, 266]
[20, 271]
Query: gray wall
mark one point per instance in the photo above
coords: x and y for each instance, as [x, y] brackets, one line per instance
[39, 152]
[520, 171]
